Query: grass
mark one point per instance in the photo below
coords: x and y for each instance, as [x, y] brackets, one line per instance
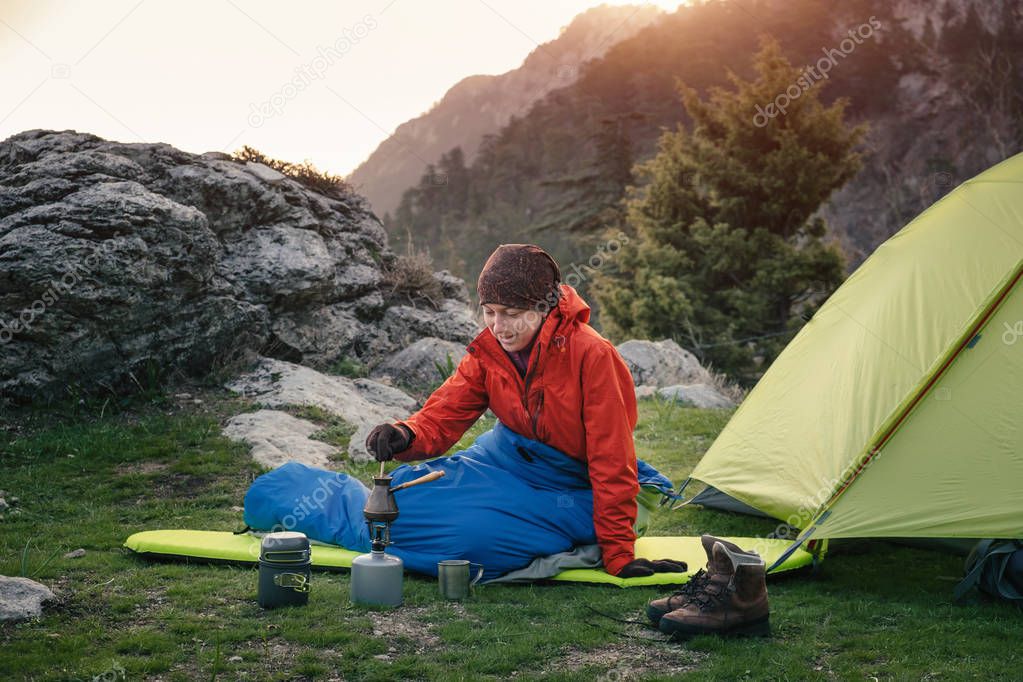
[334, 430]
[874, 611]
[349, 367]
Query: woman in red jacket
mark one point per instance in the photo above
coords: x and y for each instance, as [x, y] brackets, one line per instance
[550, 377]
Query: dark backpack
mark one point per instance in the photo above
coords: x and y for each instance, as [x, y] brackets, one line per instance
[996, 568]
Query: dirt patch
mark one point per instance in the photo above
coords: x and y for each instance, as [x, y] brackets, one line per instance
[633, 659]
[156, 598]
[142, 468]
[822, 664]
[406, 631]
[268, 658]
[164, 483]
[180, 485]
[459, 612]
[277, 655]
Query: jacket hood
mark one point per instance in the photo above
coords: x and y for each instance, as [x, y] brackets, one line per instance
[572, 306]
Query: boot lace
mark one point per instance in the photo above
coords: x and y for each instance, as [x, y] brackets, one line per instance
[713, 595]
[691, 588]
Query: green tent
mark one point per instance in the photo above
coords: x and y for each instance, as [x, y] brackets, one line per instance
[896, 411]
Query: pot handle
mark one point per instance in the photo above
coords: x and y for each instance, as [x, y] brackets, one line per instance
[479, 574]
[432, 476]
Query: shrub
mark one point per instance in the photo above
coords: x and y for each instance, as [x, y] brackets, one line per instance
[410, 278]
[305, 173]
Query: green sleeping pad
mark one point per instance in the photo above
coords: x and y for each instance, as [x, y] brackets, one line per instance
[222, 546]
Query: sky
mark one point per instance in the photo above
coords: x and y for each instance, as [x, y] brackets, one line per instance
[318, 81]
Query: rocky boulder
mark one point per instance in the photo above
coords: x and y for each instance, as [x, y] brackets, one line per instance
[21, 598]
[121, 261]
[406, 325]
[645, 391]
[417, 365]
[277, 437]
[361, 403]
[452, 287]
[697, 395]
[661, 363]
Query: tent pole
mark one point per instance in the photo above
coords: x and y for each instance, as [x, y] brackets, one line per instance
[803, 537]
[677, 495]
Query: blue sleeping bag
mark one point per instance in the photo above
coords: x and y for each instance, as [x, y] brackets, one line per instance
[504, 501]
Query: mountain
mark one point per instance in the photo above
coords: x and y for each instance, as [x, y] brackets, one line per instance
[483, 104]
[940, 85]
[955, 109]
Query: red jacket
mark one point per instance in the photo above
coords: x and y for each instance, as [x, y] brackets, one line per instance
[577, 396]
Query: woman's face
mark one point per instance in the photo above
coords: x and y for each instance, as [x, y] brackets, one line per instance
[512, 327]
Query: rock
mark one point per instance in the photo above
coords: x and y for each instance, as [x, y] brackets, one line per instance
[265, 173]
[287, 267]
[362, 403]
[315, 337]
[645, 391]
[415, 366]
[21, 598]
[405, 325]
[3, 504]
[276, 437]
[696, 395]
[75, 554]
[662, 363]
[453, 287]
[120, 259]
[234, 659]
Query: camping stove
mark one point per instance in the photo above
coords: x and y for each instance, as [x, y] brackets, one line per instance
[378, 577]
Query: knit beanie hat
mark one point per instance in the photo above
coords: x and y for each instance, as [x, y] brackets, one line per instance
[520, 276]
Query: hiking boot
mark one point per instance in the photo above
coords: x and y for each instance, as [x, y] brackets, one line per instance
[732, 602]
[656, 609]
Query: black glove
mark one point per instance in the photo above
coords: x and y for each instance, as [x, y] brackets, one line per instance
[638, 568]
[387, 439]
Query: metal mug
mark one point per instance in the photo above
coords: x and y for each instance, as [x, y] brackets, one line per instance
[453, 578]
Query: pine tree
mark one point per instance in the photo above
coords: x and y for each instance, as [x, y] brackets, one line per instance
[728, 257]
